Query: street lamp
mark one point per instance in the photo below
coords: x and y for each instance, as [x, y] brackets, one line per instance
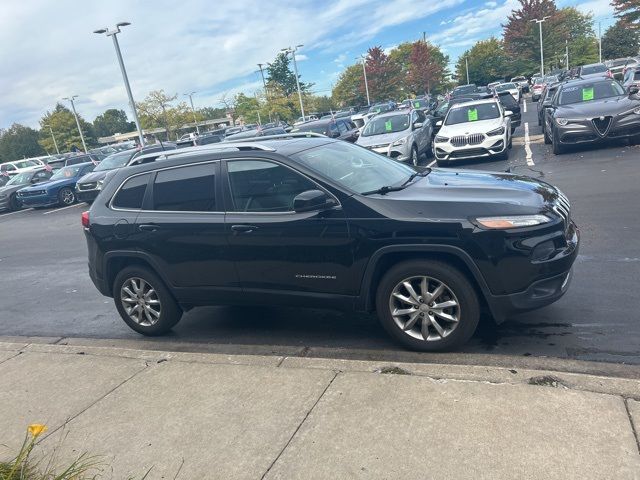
[293, 51]
[53, 137]
[114, 35]
[75, 114]
[190, 95]
[539, 22]
[466, 64]
[364, 71]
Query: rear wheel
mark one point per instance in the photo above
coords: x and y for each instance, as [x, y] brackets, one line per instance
[66, 197]
[427, 305]
[144, 302]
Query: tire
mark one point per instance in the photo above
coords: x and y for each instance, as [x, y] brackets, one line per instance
[545, 134]
[168, 312]
[456, 289]
[66, 197]
[510, 144]
[539, 121]
[415, 158]
[557, 148]
[14, 203]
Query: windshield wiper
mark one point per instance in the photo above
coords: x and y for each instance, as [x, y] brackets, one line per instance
[423, 173]
[384, 190]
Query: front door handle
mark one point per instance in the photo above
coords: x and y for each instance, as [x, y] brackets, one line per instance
[150, 227]
[243, 228]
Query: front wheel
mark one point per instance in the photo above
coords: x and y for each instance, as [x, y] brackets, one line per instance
[14, 203]
[144, 302]
[545, 134]
[558, 149]
[414, 156]
[427, 305]
[66, 197]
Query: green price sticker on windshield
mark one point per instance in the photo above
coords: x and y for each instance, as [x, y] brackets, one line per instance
[417, 104]
[587, 94]
[472, 114]
[387, 126]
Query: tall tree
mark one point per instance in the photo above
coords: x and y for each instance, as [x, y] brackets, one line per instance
[382, 75]
[209, 113]
[401, 57]
[628, 11]
[620, 41]
[19, 141]
[349, 88]
[247, 108]
[154, 110]
[487, 60]
[425, 69]
[63, 124]
[112, 121]
[280, 74]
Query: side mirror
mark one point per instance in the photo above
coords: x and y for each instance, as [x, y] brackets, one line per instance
[439, 123]
[633, 90]
[313, 200]
[508, 113]
[334, 134]
[418, 125]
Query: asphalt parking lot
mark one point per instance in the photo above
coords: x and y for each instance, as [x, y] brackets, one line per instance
[45, 289]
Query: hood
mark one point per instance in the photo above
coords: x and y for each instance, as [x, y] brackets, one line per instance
[474, 192]
[9, 189]
[383, 139]
[609, 106]
[94, 176]
[52, 184]
[481, 126]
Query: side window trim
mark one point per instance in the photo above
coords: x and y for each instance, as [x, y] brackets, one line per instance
[119, 209]
[228, 197]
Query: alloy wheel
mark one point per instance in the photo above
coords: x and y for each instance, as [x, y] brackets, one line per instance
[140, 301]
[67, 196]
[425, 308]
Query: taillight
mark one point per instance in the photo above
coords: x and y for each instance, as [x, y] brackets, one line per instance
[86, 223]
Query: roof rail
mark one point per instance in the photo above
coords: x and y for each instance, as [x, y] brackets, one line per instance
[283, 135]
[222, 146]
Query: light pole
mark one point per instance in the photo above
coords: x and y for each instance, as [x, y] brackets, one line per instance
[53, 137]
[566, 53]
[600, 41]
[539, 22]
[75, 114]
[293, 51]
[190, 95]
[364, 71]
[114, 35]
[466, 64]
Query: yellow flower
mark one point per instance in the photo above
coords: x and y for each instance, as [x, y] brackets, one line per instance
[37, 429]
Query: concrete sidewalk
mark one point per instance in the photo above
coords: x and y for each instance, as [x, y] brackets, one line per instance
[216, 416]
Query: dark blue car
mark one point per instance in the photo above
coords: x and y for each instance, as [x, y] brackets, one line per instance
[58, 190]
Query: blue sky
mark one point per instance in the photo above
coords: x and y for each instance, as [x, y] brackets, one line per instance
[49, 51]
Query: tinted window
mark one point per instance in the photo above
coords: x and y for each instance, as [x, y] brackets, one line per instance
[589, 91]
[636, 75]
[7, 168]
[589, 69]
[41, 176]
[185, 189]
[261, 186]
[508, 100]
[132, 193]
[342, 127]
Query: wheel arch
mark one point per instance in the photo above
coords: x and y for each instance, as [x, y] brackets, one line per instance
[382, 260]
[116, 261]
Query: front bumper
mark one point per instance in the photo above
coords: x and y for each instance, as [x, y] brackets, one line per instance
[489, 147]
[583, 131]
[401, 153]
[43, 200]
[86, 195]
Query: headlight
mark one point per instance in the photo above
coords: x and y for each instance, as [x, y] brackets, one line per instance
[440, 139]
[99, 184]
[637, 110]
[562, 121]
[497, 131]
[397, 143]
[516, 221]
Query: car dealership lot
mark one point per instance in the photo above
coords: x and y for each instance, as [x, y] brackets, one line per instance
[45, 289]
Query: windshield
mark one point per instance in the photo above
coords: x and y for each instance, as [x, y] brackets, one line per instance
[25, 164]
[590, 91]
[472, 113]
[20, 179]
[380, 108]
[538, 81]
[322, 128]
[387, 124]
[465, 89]
[589, 69]
[505, 86]
[116, 160]
[518, 79]
[66, 172]
[353, 167]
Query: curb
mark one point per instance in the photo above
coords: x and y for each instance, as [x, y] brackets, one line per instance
[629, 388]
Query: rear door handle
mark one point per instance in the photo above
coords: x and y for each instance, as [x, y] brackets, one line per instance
[150, 227]
[243, 228]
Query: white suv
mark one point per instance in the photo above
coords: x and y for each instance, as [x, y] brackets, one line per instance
[475, 129]
[20, 166]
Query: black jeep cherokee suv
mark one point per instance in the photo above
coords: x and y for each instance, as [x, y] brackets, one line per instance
[317, 222]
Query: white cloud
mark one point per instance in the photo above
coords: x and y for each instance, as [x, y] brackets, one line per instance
[48, 51]
[301, 57]
[599, 8]
[491, 4]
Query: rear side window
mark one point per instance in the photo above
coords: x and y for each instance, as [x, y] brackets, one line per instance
[185, 189]
[131, 195]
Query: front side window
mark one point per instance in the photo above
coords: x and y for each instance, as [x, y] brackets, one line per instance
[185, 189]
[342, 127]
[131, 195]
[66, 172]
[7, 167]
[263, 186]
